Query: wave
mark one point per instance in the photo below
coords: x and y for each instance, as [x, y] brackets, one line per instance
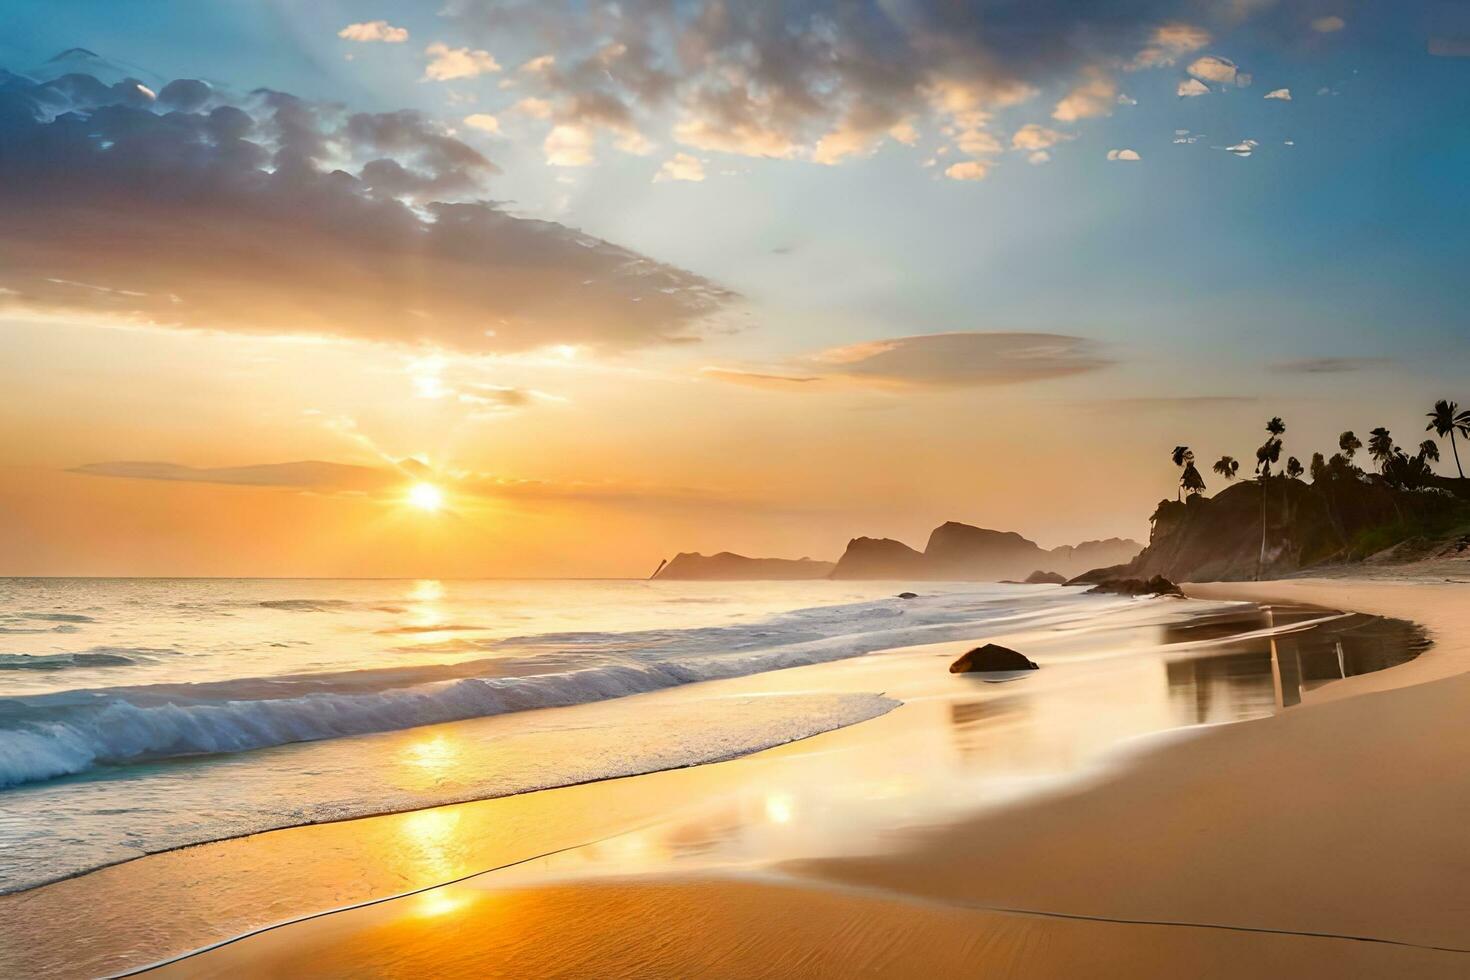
[61, 661]
[305, 605]
[68, 733]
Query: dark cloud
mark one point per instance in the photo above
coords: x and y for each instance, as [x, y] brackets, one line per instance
[277, 215]
[1329, 365]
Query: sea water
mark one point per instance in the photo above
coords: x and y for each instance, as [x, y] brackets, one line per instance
[142, 715]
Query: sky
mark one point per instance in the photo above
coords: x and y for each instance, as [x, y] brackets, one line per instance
[624, 279]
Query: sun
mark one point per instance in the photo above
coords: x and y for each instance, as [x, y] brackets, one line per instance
[426, 497]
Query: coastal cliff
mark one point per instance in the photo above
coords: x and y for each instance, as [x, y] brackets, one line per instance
[1219, 538]
[962, 552]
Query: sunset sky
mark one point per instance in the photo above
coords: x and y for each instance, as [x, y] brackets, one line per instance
[624, 279]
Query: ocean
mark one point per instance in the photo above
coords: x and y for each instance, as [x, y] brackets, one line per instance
[138, 715]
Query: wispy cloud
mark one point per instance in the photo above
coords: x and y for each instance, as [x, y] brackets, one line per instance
[374, 31]
[1329, 365]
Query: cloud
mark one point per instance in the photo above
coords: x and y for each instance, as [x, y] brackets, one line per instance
[374, 30]
[446, 63]
[681, 166]
[483, 121]
[1037, 157]
[1094, 97]
[1242, 149]
[1168, 43]
[1127, 156]
[1191, 87]
[948, 360]
[303, 475]
[828, 81]
[1329, 365]
[390, 481]
[755, 379]
[1284, 94]
[1449, 47]
[274, 215]
[967, 170]
[931, 361]
[1034, 137]
[1328, 25]
[1210, 68]
[569, 146]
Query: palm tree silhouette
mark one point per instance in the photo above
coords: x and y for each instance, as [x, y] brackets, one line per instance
[1380, 446]
[1429, 449]
[1446, 420]
[1192, 482]
[1227, 466]
[1349, 443]
[1182, 455]
[1270, 452]
[1293, 468]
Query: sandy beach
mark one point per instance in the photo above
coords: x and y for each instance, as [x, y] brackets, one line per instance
[1325, 840]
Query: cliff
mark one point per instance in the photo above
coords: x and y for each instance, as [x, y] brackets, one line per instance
[727, 566]
[1346, 518]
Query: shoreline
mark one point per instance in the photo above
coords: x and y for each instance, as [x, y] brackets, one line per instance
[1312, 856]
[342, 847]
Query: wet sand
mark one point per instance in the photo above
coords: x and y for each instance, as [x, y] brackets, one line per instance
[1326, 841]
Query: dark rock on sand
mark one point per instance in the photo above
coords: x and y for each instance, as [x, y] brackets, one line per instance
[991, 656]
[908, 595]
[1158, 585]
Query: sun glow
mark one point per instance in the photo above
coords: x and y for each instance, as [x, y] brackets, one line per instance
[426, 497]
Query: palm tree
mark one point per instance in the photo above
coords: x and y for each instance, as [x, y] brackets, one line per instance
[1227, 466]
[1319, 468]
[1380, 446]
[1429, 449]
[1294, 468]
[1181, 456]
[1270, 452]
[1446, 420]
[1349, 443]
[1192, 482]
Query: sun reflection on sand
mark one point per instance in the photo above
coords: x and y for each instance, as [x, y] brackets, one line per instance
[431, 834]
[780, 807]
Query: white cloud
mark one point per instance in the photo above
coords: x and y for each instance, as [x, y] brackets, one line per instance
[483, 121]
[967, 170]
[1127, 156]
[1210, 68]
[569, 145]
[448, 63]
[1242, 149]
[1092, 98]
[535, 108]
[1328, 25]
[1038, 157]
[1284, 94]
[1034, 137]
[374, 30]
[681, 166]
[1191, 87]
[1168, 43]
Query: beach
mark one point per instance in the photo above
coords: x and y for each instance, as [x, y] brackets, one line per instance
[1324, 839]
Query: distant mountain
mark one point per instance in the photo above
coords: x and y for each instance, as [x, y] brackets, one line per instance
[962, 552]
[727, 566]
[80, 61]
[955, 552]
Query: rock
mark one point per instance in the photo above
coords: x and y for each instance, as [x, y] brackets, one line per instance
[991, 656]
[1158, 585]
[1045, 578]
[908, 595]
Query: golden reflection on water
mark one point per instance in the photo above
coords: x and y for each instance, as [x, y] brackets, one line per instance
[431, 836]
[780, 808]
